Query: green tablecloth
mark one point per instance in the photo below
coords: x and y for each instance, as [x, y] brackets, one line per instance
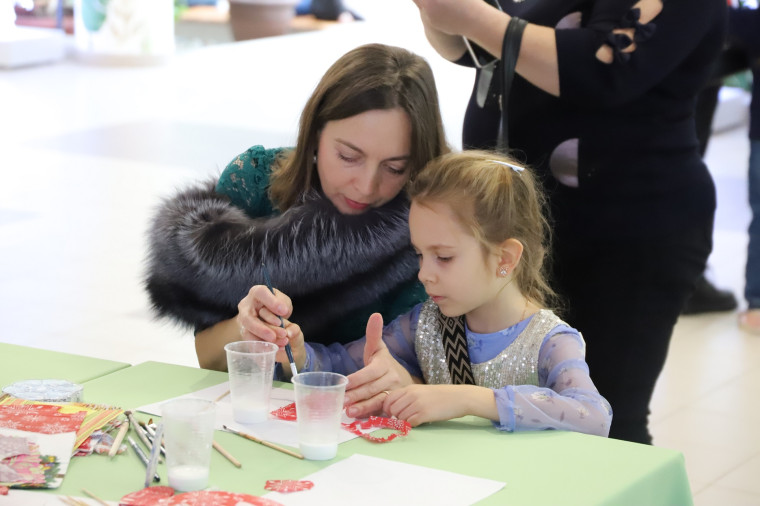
[548, 467]
[22, 363]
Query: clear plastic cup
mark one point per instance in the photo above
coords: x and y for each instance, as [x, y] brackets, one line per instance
[319, 405]
[251, 372]
[188, 436]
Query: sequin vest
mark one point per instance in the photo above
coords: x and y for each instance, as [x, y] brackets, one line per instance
[515, 365]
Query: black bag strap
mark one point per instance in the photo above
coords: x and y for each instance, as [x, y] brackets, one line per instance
[455, 347]
[510, 50]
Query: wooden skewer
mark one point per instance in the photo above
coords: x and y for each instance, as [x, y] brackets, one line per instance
[225, 394]
[265, 443]
[97, 499]
[226, 454]
[119, 438]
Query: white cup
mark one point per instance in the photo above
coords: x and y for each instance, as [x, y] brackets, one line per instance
[251, 371]
[188, 436]
[319, 405]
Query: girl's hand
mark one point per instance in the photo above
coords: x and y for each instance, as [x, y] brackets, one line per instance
[367, 387]
[258, 315]
[418, 404]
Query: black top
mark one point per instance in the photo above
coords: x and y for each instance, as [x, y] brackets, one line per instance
[639, 169]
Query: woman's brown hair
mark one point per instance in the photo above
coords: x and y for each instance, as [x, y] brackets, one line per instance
[370, 77]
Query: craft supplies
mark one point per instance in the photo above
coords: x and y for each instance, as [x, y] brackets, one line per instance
[262, 442]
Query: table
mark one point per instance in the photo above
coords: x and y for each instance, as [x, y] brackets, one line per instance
[549, 467]
[23, 362]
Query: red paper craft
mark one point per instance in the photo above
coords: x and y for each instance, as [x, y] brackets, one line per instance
[286, 486]
[217, 498]
[378, 422]
[149, 496]
[286, 412]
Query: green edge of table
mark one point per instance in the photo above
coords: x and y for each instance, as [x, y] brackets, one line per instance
[547, 467]
[19, 363]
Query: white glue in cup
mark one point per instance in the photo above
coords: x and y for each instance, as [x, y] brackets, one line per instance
[188, 435]
[251, 371]
[319, 406]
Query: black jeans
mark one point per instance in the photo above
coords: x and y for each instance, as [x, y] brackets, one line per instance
[625, 296]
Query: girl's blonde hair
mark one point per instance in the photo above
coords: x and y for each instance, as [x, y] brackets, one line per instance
[495, 198]
[370, 77]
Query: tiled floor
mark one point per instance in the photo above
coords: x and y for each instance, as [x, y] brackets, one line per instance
[86, 152]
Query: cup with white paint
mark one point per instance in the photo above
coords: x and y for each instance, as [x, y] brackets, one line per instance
[251, 371]
[319, 406]
[188, 436]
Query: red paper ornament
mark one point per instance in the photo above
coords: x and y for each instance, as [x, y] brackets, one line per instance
[287, 486]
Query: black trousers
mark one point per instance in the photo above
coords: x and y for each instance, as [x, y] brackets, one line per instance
[625, 296]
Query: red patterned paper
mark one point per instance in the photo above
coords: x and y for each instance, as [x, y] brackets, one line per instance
[3, 490]
[149, 496]
[286, 486]
[378, 422]
[42, 419]
[286, 412]
[217, 498]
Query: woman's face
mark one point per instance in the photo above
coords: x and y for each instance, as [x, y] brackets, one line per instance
[363, 161]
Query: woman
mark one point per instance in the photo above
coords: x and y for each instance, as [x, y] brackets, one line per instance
[602, 106]
[327, 218]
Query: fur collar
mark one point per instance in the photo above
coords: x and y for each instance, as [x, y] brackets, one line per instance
[205, 254]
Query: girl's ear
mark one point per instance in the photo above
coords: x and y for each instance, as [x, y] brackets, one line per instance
[510, 254]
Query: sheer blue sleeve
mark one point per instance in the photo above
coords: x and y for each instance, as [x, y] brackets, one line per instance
[566, 398]
[398, 335]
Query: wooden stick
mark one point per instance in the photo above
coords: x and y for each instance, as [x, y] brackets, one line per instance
[226, 455]
[225, 394]
[119, 438]
[265, 443]
[97, 499]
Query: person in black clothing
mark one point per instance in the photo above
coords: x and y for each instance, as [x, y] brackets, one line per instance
[602, 108]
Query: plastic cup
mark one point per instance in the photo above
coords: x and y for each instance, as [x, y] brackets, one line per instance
[188, 436]
[319, 405]
[251, 371]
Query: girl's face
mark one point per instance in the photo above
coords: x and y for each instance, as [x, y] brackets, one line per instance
[456, 273]
[362, 161]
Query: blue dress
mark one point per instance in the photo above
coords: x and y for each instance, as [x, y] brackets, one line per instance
[563, 398]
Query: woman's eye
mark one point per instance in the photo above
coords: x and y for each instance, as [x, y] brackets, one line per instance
[444, 259]
[346, 158]
[398, 171]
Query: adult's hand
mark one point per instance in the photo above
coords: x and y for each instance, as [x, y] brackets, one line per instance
[453, 17]
[259, 312]
[368, 387]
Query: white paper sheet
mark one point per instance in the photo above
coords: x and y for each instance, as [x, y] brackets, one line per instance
[273, 430]
[365, 480]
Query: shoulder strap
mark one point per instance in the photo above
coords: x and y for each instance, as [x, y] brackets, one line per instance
[510, 50]
[455, 348]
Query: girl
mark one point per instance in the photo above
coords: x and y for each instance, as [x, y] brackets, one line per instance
[483, 342]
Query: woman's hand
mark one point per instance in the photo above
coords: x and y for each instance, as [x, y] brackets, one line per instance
[259, 319]
[367, 388]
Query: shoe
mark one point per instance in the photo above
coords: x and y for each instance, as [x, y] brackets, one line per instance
[749, 321]
[706, 298]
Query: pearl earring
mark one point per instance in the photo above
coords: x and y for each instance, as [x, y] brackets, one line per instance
[503, 272]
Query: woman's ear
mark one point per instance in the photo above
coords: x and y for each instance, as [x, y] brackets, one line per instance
[510, 254]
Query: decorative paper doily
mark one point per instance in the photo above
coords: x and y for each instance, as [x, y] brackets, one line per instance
[286, 412]
[286, 486]
[217, 498]
[149, 496]
[378, 422]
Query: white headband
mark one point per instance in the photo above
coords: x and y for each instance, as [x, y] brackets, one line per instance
[515, 168]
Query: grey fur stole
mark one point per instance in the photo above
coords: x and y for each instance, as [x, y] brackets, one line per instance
[205, 254]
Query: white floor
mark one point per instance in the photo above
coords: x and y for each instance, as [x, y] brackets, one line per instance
[86, 152]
